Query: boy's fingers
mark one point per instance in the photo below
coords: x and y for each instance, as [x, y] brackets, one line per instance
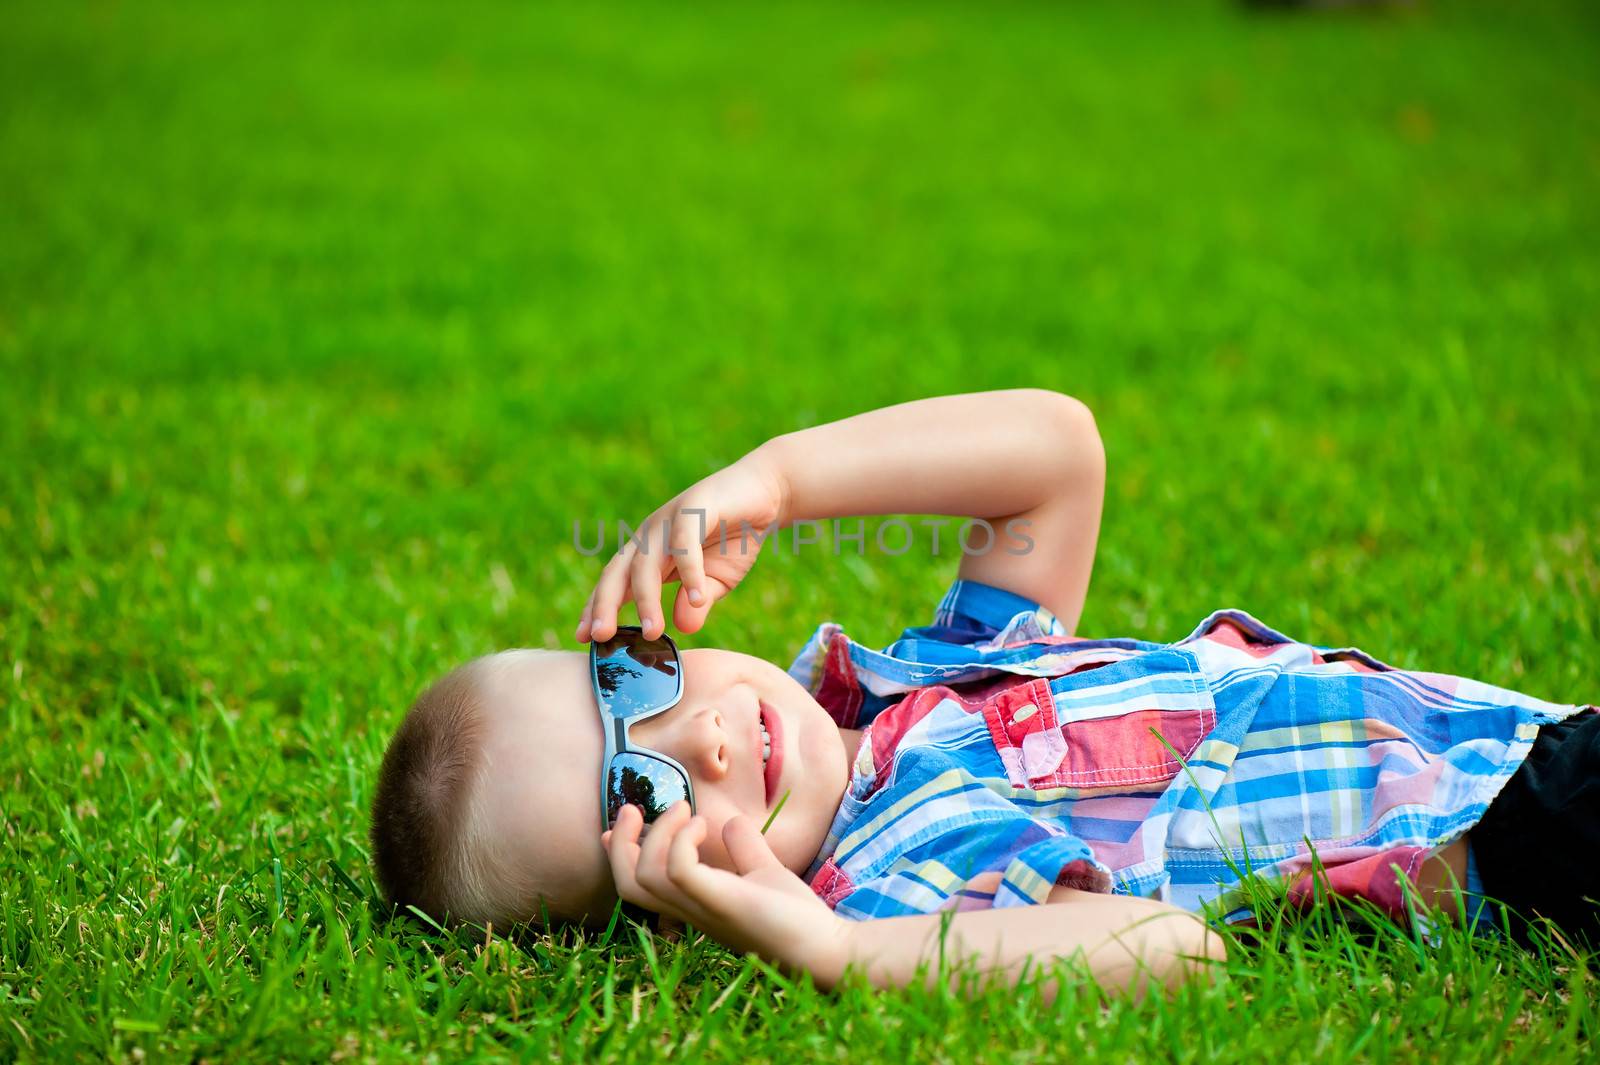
[668, 835]
[661, 554]
[696, 883]
[622, 852]
[687, 617]
[747, 846]
[687, 534]
[585, 620]
[653, 852]
[683, 857]
[608, 593]
[685, 848]
[644, 574]
[630, 871]
[625, 831]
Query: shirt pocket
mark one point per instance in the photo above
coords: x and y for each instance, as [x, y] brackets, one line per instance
[1103, 729]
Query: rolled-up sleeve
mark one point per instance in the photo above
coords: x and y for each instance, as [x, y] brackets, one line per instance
[972, 612]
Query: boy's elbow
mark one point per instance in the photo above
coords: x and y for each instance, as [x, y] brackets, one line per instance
[1183, 949]
[1068, 421]
[1198, 954]
[1069, 412]
[1083, 444]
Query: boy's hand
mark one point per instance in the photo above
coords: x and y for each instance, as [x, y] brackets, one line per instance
[764, 907]
[705, 526]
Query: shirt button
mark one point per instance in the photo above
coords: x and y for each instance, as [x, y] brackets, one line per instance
[1024, 713]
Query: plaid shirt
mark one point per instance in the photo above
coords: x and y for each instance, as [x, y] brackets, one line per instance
[1003, 757]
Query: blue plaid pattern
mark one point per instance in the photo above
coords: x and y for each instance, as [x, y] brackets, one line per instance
[1004, 757]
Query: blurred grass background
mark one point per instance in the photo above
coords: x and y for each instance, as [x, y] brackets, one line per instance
[320, 327]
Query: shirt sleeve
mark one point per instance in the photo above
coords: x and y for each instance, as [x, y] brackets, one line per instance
[992, 867]
[974, 626]
[972, 612]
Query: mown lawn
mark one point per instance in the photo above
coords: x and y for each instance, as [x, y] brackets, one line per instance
[318, 329]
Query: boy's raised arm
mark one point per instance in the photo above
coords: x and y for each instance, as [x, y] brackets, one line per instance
[1027, 461]
[1027, 457]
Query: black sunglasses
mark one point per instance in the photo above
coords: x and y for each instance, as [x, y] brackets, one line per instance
[634, 679]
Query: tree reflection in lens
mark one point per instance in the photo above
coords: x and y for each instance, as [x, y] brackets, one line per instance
[651, 785]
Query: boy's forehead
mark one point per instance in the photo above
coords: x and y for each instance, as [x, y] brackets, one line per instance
[545, 741]
[551, 693]
[544, 749]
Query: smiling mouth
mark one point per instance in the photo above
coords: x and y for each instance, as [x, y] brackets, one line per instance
[771, 750]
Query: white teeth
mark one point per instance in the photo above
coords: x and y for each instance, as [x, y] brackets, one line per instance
[766, 743]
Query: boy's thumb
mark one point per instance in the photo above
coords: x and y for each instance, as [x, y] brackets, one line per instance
[688, 616]
[747, 846]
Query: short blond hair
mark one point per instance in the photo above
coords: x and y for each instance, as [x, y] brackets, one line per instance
[428, 847]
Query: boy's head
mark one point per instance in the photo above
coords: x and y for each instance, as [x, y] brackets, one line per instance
[488, 799]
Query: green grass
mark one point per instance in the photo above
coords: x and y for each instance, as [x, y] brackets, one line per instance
[319, 327]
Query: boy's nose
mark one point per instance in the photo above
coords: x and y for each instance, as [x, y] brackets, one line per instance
[708, 747]
[700, 742]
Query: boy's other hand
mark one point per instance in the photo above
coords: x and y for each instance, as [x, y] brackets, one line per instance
[706, 538]
[762, 908]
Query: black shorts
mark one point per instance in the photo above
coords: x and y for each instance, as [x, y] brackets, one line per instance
[1537, 848]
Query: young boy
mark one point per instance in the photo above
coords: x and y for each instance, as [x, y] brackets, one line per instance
[1057, 793]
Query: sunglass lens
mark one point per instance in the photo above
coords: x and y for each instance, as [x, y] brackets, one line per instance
[649, 783]
[635, 675]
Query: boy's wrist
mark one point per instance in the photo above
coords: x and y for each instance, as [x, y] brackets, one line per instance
[829, 955]
[771, 464]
